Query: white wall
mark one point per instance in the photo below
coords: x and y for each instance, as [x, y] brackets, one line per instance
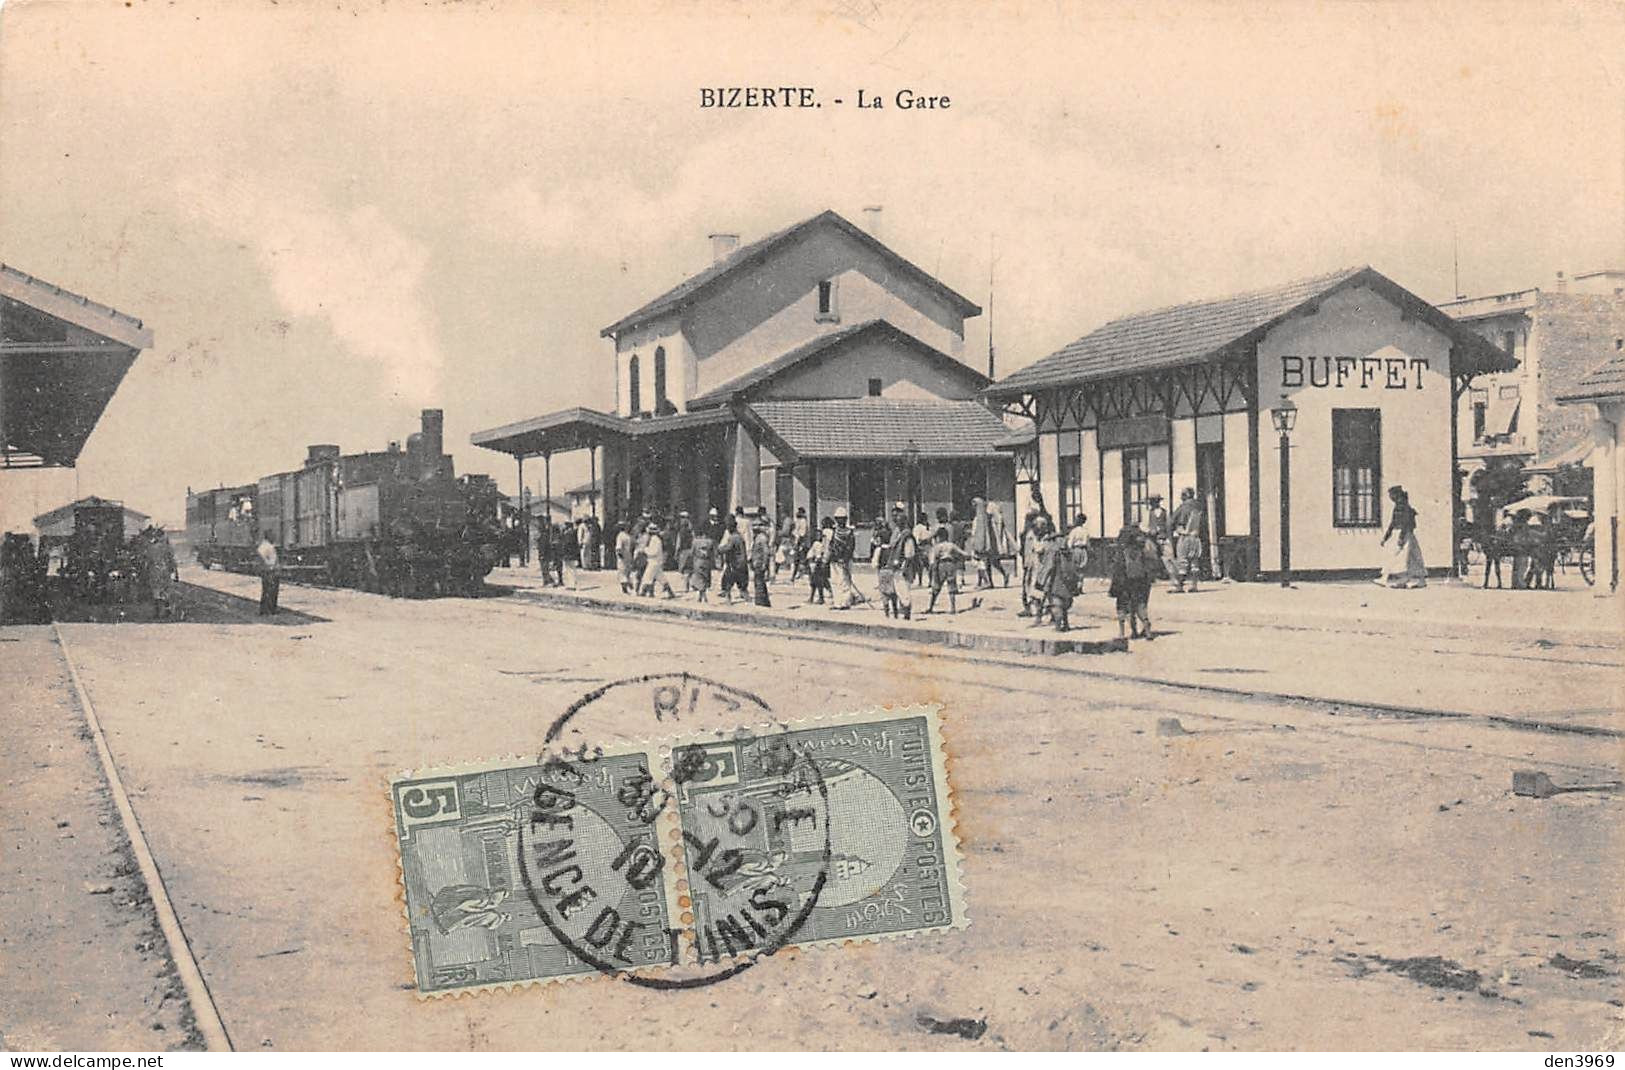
[1157, 469]
[1184, 463]
[903, 372]
[1607, 462]
[1237, 476]
[765, 311]
[681, 367]
[1089, 461]
[1416, 418]
[1111, 483]
[1049, 473]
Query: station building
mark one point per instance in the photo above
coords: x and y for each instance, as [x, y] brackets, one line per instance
[813, 369]
[58, 523]
[1367, 374]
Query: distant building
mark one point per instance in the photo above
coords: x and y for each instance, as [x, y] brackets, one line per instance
[813, 369]
[557, 510]
[59, 521]
[1555, 334]
[1182, 397]
[583, 499]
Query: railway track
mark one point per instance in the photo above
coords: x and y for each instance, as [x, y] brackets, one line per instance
[1210, 709]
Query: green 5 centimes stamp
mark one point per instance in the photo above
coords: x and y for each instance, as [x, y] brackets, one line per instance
[826, 831]
[682, 863]
[508, 867]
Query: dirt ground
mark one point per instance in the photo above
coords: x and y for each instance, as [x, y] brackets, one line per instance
[1271, 875]
[82, 962]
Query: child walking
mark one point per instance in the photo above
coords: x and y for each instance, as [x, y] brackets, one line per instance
[1132, 576]
[818, 558]
[702, 555]
[1061, 586]
[945, 561]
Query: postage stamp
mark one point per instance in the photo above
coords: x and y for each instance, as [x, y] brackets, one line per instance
[471, 839]
[882, 861]
[680, 862]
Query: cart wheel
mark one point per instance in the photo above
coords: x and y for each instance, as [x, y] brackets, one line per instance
[1588, 565]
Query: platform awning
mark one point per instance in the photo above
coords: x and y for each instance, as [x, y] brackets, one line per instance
[62, 357]
[580, 429]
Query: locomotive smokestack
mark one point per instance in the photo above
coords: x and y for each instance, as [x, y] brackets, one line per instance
[434, 423]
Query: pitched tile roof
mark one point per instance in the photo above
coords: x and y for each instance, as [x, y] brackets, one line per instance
[690, 288]
[1606, 380]
[881, 427]
[825, 346]
[1202, 330]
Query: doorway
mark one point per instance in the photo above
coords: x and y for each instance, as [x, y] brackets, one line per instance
[1210, 492]
[783, 494]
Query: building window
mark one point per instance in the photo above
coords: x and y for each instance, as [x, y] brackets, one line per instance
[1136, 486]
[1069, 470]
[1071, 474]
[1356, 468]
[826, 302]
[874, 388]
[633, 399]
[1481, 408]
[866, 483]
[662, 405]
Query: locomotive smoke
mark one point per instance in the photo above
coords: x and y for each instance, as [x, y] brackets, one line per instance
[354, 269]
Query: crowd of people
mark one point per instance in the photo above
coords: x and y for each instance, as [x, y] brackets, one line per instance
[748, 553]
[91, 568]
[923, 563]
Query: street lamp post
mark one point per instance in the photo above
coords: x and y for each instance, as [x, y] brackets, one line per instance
[1284, 416]
[911, 466]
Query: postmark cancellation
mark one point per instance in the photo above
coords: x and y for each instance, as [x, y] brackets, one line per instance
[681, 861]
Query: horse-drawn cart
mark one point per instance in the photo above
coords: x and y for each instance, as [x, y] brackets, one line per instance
[1559, 535]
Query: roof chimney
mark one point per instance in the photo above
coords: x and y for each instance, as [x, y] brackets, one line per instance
[1562, 284]
[723, 246]
[871, 220]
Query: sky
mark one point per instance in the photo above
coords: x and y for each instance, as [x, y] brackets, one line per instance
[332, 215]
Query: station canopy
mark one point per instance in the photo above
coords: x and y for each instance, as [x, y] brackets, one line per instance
[579, 429]
[62, 357]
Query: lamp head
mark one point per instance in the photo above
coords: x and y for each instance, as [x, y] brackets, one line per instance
[1284, 416]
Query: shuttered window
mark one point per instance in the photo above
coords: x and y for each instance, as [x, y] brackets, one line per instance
[1356, 468]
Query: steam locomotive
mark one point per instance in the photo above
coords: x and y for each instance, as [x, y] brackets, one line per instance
[397, 522]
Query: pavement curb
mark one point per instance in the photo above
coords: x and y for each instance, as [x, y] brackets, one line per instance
[1053, 644]
[204, 1012]
[968, 641]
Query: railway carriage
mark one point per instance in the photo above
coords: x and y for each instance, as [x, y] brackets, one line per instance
[397, 521]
